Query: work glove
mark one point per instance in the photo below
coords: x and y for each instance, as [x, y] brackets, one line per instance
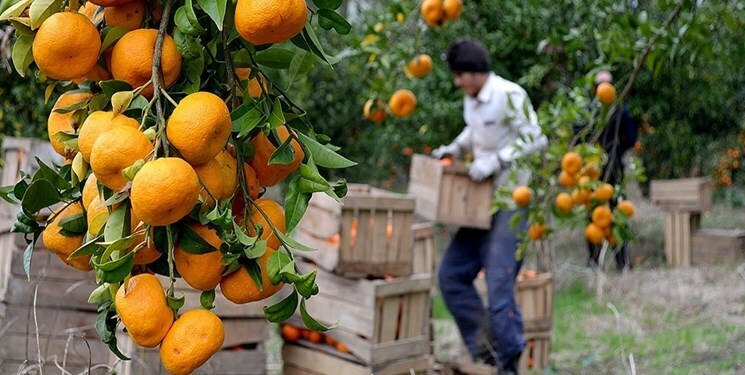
[452, 149]
[484, 167]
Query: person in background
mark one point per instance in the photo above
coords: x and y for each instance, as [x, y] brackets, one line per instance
[616, 137]
[501, 126]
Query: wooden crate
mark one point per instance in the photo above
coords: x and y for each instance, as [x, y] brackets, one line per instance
[315, 360]
[679, 228]
[242, 353]
[378, 320]
[718, 246]
[535, 357]
[445, 194]
[423, 252]
[66, 338]
[368, 234]
[536, 300]
[684, 194]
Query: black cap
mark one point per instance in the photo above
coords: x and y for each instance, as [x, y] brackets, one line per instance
[468, 55]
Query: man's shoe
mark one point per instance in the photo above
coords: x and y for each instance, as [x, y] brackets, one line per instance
[512, 365]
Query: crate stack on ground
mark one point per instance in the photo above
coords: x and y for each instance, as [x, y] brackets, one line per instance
[365, 263]
[683, 200]
[243, 352]
[45, 320]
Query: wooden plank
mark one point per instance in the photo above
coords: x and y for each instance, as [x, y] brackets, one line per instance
[387, 319]
[416, 321]
[20, 347]
[54, 294]
[686, 238]
[302, 360]
[669, 217]
[402, 285]
[690, 194]
[403, 203]
[50, 322]
[33, 368]
[718, 246]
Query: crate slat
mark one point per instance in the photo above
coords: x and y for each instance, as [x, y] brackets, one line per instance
[684, 194]
[679, 228]
[718, 246]
[302, 360]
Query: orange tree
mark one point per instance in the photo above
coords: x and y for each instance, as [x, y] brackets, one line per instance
[172, 128]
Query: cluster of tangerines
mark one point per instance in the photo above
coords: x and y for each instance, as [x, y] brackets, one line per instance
[292, 333]
[158, 178]
[403, 102]
[584, 194]
[728, 165]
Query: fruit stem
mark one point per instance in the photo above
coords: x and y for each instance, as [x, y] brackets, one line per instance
[156, 76]
[230, 70]
[171, 275]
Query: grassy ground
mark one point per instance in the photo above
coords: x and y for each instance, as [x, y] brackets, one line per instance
[652, 320]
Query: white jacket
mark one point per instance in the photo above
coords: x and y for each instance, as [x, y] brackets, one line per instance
[500, 120]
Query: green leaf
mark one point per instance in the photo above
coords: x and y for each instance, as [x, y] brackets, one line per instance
[322, 155]
[315, 46]
[47, 173]
[184, 23]
[207, 299]
[328, 4]
[256, 250]
[306, 284]
[282, 310]
[187, 45]
[113, 86]
[329, 19]
[74, 223]
[275, 57]
[111, 36]
[277, 261]
[215, 9]
[28, 254]
[6, 193]
[243, 238]
[116, 224]
[300, 65]
[116, 271]
[88, 248]
[292, 243]
[40, 10]
[277, 118]
[193, 70]
[22, 54]
[191, 16]
[284, 154]
[296, 203]
[311, 322]
[176, 303]
[340, 189]
[100, 295]
[249, 121]
[191, 242]
[15, 10]
[40, 194]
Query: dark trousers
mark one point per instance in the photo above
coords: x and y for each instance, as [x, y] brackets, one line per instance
[500, 328]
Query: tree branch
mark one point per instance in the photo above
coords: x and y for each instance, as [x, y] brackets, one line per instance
[157, 75]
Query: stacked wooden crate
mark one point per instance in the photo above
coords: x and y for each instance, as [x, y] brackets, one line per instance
[367, 286]
[683, 201]
[45, 320]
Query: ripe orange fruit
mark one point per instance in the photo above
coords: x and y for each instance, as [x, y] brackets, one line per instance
[148, 253]
[452, 9]
[627, 207]
[402, 103]
[98, 123]
[330, 340]
[564, 202]
[604, 192]
[270, 21]
[271, 174]
[315, 337]
[59, 122]
[90, 190]
[374, 111]
[199, 127]
[420, 66]
[238, 287]
[192, 340]
[90, 10]
[276, 215]
[530, 274]
[229, 170]
[211, 178]
[536, 231]
[446, 162]
[433, 12]
[522, 196]
[567, 179]
[109, 3]
[96, 215]
[584, 182]
[255, 88]
[606, 93]
[98, 73]
[571, 162]
[601, 216]
[128, 16]
[201, 271]
[142, 306]
[594, 234]
[591, 171]
[580, 196]
[341, 347]
[115, 150]
[132, 59]
[62, 245]
[164, 191]
[290, 333]
[66, 46]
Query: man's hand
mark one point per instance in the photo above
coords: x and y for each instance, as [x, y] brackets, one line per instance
[484, 167]
[451, 149]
